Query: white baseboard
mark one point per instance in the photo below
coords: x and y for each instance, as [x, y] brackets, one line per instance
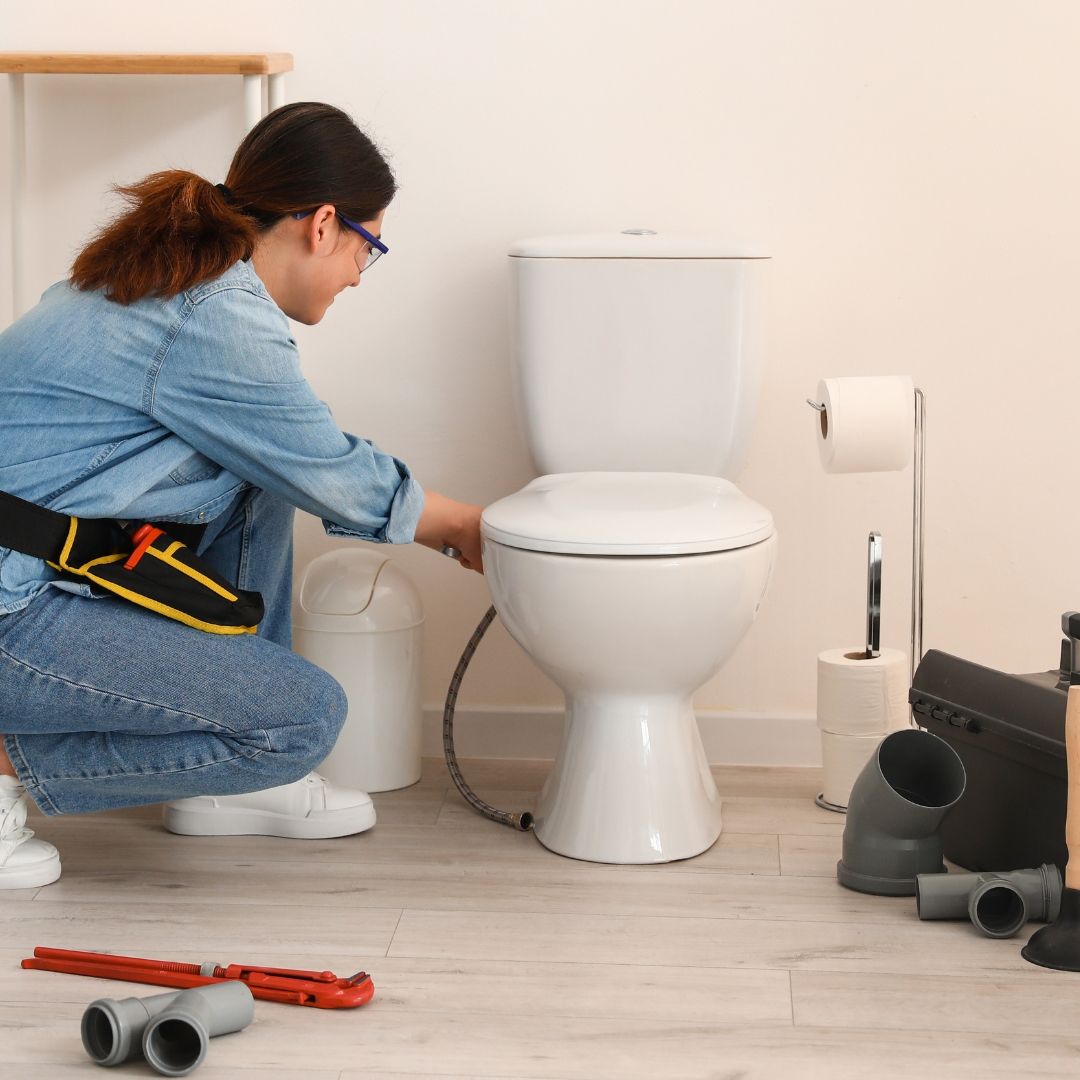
[492, 731]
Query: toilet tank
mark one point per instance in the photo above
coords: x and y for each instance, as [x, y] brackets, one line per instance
[636, 351]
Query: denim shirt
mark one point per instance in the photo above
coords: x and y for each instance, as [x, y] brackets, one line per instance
[164, 410]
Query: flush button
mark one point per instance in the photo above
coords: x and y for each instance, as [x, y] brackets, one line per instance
[639, 232]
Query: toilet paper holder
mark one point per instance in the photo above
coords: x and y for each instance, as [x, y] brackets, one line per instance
[917, 529]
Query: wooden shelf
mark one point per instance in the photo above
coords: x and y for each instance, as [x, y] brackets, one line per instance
[145, 63]
[263, 80]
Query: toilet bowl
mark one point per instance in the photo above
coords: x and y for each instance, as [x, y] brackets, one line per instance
[630, 591]
[632, 566]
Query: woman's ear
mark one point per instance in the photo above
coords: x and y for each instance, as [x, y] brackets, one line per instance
[320, 229]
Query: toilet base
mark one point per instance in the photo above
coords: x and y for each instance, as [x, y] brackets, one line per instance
[630, 783]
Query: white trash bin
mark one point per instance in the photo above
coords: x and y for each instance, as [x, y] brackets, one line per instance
[357, 616]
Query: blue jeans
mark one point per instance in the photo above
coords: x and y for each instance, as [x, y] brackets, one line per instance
[104, 704]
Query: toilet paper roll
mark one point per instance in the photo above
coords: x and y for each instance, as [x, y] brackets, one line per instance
[868, 423]
[843, 758]
[862, 697]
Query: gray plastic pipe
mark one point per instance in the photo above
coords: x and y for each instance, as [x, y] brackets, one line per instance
[170, 1030]
[997, 903]
[894, 813]
[997, 908]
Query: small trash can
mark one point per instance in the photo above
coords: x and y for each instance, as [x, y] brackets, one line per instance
[359, 617]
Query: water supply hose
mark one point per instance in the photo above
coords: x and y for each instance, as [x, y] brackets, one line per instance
[523, 820]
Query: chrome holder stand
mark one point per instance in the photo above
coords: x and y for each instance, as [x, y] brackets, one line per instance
[918, 533]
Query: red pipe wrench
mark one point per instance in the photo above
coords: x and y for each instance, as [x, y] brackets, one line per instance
[318, 989]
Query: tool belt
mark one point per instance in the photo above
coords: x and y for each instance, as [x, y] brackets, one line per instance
[139, 562]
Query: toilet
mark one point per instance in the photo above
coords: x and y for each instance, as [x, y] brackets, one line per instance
[632, 567]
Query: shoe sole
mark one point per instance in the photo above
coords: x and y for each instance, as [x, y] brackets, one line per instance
[30, 877]
[240, 822]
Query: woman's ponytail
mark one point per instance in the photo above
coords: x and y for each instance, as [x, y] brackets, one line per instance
[180, 230]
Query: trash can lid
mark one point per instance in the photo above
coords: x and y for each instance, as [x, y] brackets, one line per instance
[351, 591]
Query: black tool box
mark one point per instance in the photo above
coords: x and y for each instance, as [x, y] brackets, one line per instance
[1009, 731]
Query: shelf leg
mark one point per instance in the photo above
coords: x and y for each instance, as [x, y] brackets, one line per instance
[252, 100]
[17, 88]
[277, 91]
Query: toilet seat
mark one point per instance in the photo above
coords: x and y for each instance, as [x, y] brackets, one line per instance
[627, 513]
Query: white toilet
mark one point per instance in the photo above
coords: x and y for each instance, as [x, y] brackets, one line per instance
[631, 569]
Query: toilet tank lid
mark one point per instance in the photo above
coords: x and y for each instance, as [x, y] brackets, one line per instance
[627, 513]
[634, 244]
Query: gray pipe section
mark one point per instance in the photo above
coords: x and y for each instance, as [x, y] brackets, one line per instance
[991, 900]
[997, 908]
[112, 1029]
[174, 1041]
[170, 1030]
[894, 813]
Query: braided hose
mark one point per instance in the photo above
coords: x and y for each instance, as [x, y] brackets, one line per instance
[522, 821]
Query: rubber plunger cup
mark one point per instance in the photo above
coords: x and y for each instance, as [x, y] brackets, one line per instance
[895, 810]
[1058, 945]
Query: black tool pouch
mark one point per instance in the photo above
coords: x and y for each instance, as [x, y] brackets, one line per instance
[139, 562]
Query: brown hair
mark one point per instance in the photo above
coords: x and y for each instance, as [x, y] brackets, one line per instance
[181, 230]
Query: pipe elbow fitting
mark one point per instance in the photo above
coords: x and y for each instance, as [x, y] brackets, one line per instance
[895, 812]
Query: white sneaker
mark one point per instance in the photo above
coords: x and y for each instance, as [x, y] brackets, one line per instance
[25, 863]
[310, 809]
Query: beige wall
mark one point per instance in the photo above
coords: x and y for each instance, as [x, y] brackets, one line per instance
[913, 169]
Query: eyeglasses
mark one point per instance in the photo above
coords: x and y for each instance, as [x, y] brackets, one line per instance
[375, 246]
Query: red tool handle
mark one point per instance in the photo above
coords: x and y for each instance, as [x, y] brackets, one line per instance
[318, 989]
[143, 537]
[43, 952]
[124, 974]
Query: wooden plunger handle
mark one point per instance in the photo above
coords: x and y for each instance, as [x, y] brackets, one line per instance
[1072, 808]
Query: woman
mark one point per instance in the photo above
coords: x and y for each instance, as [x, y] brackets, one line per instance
[160, 384]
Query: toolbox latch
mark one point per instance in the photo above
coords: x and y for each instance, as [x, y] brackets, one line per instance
[965, 723]
[947, 716]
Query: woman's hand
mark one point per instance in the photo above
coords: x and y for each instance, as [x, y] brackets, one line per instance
[446, 523]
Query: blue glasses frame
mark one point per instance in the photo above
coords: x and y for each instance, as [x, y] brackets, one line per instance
[375, 246]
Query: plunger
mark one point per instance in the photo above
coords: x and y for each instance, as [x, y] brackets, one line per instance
[1058, 945]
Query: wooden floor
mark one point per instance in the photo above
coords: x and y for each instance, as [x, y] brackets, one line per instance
[493, 957]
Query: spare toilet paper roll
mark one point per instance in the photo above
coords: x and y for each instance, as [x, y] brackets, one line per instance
[868, 423]
[843, 757]
[862, 697]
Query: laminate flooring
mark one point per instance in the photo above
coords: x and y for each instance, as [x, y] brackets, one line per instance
[493, 957]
